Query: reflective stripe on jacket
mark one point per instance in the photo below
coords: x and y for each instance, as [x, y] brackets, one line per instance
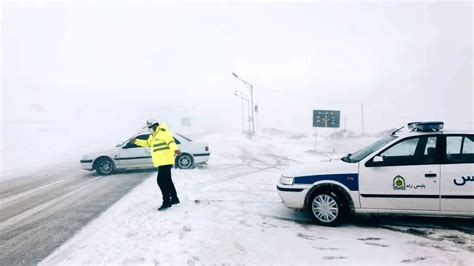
[162, 146]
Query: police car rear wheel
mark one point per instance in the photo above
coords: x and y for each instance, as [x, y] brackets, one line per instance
[326, 208]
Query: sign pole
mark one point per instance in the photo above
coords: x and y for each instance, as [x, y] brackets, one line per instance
[315, 139]
[325, 119]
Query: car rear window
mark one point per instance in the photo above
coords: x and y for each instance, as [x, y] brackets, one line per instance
[460, 149]
[188, 139]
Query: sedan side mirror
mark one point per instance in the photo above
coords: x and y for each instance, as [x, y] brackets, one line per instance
[378, 159]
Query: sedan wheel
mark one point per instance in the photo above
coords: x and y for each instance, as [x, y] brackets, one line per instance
[185, 161]
[104, 166]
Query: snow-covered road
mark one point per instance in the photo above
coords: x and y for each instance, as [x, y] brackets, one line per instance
[41, 209]
[230, 213]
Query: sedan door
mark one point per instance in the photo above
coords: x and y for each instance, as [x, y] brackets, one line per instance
[133, 156]
[404, 176]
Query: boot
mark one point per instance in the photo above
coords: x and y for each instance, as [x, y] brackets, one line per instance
[164, 206]
[174, 201]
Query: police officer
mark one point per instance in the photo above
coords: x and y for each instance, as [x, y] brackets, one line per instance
[163, 149]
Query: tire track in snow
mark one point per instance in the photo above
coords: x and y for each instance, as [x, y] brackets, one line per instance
[17, 218]
[249, 159]
[28, 192]
[13, 186]
[28, 236]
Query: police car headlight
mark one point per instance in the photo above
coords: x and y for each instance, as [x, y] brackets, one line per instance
[286, 180]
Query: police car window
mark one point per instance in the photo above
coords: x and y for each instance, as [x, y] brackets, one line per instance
[361, 154]
[460, 149]
[429, 154]
[404, 148]
[468, 145]
[453, 144]
[412, 151]
[430, 146]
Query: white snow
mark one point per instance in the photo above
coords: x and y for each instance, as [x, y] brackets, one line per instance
[230, 213]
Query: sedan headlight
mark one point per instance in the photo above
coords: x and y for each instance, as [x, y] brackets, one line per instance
[286, 180]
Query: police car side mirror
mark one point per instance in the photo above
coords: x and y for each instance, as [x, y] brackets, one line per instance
[378, 159]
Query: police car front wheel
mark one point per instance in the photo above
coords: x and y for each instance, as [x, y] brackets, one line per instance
[326, 208]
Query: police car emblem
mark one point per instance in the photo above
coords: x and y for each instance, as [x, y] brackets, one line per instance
[399, 183]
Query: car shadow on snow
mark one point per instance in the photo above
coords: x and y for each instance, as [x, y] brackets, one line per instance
[414, 223]
[458, 231]
[94, 174]
[146, 170]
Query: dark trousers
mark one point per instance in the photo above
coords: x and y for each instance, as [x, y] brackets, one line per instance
[166, 184]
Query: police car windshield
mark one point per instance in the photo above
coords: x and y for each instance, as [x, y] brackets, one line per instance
[361, 154]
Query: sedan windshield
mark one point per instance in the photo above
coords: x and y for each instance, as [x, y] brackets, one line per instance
[122, 143]
[361, 154]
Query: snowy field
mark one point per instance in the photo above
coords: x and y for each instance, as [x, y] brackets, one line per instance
[230, 213]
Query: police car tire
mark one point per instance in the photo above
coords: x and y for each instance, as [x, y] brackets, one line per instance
[101, 169]
[185, 156]
[332, 197]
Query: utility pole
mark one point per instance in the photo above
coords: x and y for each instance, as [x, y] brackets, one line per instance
[362, 115]
[253, 109]
[250, 87]
[242, 98]
[243, 116]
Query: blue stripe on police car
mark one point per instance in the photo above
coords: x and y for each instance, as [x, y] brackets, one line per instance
[351, 180]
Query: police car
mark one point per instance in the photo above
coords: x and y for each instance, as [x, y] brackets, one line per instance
[418, 169]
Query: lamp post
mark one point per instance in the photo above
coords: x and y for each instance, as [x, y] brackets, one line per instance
[250, 86]
[242, 98]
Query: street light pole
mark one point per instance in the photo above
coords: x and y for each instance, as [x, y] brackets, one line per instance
[242, 98]
[250, 87]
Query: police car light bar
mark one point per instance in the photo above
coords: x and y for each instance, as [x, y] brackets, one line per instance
[426, 126]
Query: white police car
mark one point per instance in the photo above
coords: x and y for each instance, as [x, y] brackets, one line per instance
[424, 171]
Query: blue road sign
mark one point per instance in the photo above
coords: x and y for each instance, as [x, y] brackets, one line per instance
[326, 118]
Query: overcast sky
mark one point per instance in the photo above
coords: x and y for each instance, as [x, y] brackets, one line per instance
[94, 63]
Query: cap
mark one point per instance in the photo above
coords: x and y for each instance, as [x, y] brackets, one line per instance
[151, 122]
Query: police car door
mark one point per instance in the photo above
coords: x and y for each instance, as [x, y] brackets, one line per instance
[404, 176]
[132, 155]
[457, 174]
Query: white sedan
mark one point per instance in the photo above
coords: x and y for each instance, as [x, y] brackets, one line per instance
[130, 156]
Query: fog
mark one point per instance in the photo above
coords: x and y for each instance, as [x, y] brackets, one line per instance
[82, 76]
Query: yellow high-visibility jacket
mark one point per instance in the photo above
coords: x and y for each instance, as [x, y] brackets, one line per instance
[162, 146]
